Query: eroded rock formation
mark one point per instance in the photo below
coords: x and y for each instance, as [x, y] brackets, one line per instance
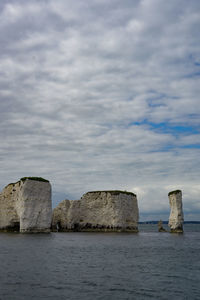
[26, 206]
[98, 211]
[176, 215]
[160, 226]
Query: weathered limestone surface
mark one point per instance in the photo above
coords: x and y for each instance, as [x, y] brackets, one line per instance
[176, 215]
[26, 206]
[66, 215]
[98, 211]
[9, 218]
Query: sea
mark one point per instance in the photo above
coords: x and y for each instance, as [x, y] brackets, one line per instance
[106, 266]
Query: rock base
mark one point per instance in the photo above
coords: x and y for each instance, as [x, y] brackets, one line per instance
[177, 230]
[98, 228]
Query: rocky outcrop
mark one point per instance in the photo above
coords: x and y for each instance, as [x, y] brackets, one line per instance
[176, 215]
[160, 226]
[98, 211]
[66, 216]
[25, 206]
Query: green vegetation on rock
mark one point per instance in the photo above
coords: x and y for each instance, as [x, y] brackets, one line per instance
[174, 192]
[114, 192]
[30, 178]
[34, 178]
[12, 183]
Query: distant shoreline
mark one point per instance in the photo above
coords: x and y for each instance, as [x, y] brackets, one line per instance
[166, 222]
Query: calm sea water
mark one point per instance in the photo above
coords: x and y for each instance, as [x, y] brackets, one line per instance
[148, 265]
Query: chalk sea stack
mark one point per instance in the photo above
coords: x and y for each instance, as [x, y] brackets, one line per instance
[98, 211]
[176, 214]
[26, 206]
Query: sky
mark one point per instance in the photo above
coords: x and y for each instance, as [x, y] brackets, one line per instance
[102, 95]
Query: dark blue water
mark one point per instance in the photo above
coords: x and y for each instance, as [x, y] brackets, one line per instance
[148, 265]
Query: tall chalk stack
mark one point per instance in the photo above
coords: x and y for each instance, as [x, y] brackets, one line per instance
[176, 214]
[26, 206]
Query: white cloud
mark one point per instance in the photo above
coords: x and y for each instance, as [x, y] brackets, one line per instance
[84, 87]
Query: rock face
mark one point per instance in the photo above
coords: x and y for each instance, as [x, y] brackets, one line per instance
[98, 211]
[66, 216]
[176, 215]
[26, 206]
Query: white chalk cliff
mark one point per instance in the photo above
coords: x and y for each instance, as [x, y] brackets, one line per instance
[98, 211]
[26, 206]
[176, 214]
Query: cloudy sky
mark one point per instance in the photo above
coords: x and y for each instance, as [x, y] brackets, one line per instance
[103, 94]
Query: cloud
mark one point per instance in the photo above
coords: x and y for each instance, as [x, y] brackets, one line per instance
[102, 95]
